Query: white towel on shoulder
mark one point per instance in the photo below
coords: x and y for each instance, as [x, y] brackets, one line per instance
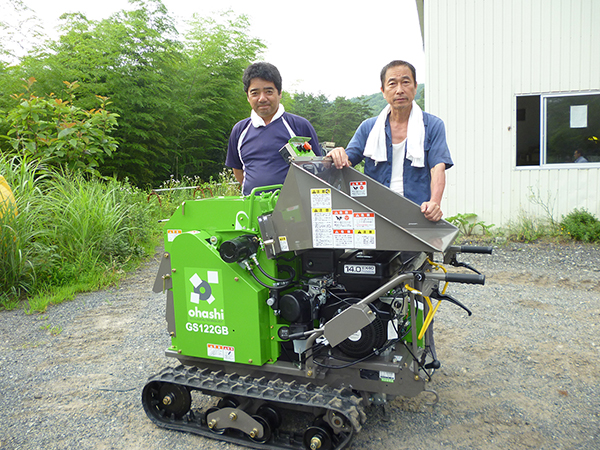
[376, 149]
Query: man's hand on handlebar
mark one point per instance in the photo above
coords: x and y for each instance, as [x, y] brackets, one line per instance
[339, 158]
[432, 211]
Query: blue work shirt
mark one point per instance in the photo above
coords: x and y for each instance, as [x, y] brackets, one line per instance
[417, 180]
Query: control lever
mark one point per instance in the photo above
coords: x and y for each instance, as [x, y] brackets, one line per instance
[450, 257]
[456, 263]
[435, 293]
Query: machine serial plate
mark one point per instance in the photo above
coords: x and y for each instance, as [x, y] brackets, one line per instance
[367, 269]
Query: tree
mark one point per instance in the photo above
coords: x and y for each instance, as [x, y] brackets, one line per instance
[333, 121]
[60, 133]
[217, 51]
[131, 57]
[177, 98]
[19, 29]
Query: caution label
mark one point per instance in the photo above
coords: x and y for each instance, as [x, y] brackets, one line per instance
[172, 234]
[364, 230]
[358, 189]
[223, 352]
[283, 244]
[322, 227]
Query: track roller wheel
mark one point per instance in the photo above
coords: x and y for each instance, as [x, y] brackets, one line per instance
[318, 436]
[166, 399]
[270, 414]
[228, 402]
[266, 431]
[212, 426]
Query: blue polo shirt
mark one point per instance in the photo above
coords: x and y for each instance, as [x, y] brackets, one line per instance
[257, 154]
[417, 180]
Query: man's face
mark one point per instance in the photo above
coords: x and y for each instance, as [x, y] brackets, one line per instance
[399, 88]
[264, 98]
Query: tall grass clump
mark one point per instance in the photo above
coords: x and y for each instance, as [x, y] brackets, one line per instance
[93, 220]
[97, 229]
[72, 233]
[21, 254]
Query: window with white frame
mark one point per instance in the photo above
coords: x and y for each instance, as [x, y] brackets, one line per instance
[558, 129]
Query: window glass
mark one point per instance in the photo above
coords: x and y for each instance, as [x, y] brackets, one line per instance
[528, 130]
[558, 129]
[572, 128]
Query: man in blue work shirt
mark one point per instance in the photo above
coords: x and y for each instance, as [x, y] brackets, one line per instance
[254, 143]
[404, 148]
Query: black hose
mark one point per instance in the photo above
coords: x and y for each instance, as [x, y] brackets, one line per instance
[266, 285]
[287, 269]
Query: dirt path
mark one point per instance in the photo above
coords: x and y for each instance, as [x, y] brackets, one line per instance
[522, 372]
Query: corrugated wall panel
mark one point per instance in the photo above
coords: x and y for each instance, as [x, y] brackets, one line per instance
[504, 158]
[479, 56]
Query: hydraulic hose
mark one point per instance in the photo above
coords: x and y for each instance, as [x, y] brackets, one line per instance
[249, 269]
[287, 269]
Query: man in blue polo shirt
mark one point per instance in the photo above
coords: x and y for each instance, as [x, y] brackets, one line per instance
[404, 148]
[254, 143]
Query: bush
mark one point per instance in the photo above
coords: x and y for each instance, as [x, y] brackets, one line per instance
[72, 233]
[61, 134]
[581, 226]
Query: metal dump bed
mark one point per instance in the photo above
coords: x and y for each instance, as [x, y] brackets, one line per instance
[320, 206]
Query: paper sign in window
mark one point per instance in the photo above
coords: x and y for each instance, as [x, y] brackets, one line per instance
[579, 115]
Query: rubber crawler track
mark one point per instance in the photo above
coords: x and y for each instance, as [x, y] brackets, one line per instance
[282, 394]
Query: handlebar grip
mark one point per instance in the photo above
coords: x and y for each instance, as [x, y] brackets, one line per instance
[475, 249]
[465, 278]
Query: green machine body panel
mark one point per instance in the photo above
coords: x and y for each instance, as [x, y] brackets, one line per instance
[219, 312]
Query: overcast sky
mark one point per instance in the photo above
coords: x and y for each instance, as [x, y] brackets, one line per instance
[332, 47]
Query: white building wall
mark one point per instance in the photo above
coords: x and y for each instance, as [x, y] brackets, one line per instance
[480, 54]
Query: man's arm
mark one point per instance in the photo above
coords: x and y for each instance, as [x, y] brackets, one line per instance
[353, 154]
[233, 158]
[239, 175]
[432, 208]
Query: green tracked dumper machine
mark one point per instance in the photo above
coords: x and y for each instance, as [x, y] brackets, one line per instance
[300, 307]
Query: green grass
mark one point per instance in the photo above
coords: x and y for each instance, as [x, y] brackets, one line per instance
[77, 233]
[73, 233]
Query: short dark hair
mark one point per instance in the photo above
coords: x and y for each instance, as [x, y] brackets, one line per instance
[395, 63]
[262, 70]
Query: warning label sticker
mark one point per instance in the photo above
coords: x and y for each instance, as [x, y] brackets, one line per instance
[358, 189]
[172, 234]
[223, 352]
[283, 244]
[364, 230]
[343, 219]
[364, 221]
[343, 238]
[339, 228]
[322, 228]
[320, 198]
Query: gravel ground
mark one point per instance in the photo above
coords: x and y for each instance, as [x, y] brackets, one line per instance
[521, 373]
